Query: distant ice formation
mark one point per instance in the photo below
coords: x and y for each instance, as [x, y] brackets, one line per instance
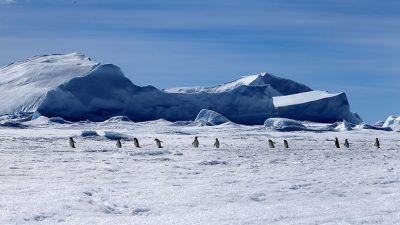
[210, 118]
[75, 88]
[284, 124]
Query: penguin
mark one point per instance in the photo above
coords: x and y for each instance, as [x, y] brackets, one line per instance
[271, 143]
[119, 144]
[286, 144]
[377, 144]
[216, 143]
[158, 142]
[337, 143]
[72, 142]
[346, 143]
[195, 143]
[136, 142]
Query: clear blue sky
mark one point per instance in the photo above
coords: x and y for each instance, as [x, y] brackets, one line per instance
[335, 45]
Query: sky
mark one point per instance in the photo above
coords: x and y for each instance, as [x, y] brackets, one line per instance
[350, 46]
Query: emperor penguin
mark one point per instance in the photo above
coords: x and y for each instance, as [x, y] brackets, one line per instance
[72, 142]
[136, 142]
[119, 144]
[271, 143]
[337, 143]
[158, 142]
[346, 143]
[216, 143]
[377, 144]
[286, 144]
[195, 143]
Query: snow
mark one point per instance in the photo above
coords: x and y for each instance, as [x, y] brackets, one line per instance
[210, 118]
[24, 84]
[276, 85]
[317, 106]
[44, 181]
[284, 124]
[392, 122]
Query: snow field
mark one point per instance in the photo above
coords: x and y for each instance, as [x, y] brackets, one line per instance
[44, 181]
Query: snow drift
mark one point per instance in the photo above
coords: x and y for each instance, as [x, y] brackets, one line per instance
[210, 118]
[23, 85]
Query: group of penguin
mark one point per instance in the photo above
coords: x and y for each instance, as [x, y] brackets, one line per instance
[196, 143]
[347, 144]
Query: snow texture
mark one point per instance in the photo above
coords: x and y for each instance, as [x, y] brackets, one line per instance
[210, 118]
[23, 85]
[44, 181]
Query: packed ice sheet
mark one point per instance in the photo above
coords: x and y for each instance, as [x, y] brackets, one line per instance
[44, 181]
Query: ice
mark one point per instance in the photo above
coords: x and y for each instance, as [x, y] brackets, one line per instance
[316, 106]
[24, 84]
[75, 88]
[89, 133]
[210, 118]
[276, 85]
[284, 124]
[106, 92]
[392, 122]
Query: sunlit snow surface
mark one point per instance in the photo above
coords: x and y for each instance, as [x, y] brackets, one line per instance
[44, 181]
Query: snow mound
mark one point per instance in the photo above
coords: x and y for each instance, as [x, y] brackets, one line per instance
[89, 133]
[118, 119]
[210, 118]
[317, 106]
[105, 92]
[284, 124]
[115, 135]
[392, 122]
[364, 126]
[12, 124]
[58, 120]
[23, 85]
[276, 85]
[339, 126]
[343, 126]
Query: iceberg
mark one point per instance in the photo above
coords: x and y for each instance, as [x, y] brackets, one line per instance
[23, 85]
[210, 118]
[392, 122]
[75, 88]
[105, 92]
[284, 124]
[316, 106]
